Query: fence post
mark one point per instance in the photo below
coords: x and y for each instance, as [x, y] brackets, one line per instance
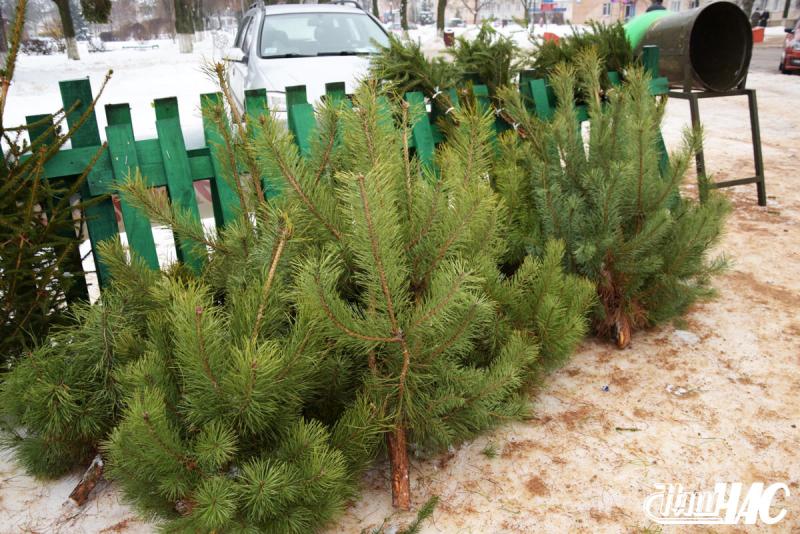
[302, 122]
[255, 105]
[38, 127]
[224, 197]
[125, 162]
[179, 175]
[101, 221]
[421, 130]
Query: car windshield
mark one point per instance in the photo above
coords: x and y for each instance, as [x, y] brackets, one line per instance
[320, 34]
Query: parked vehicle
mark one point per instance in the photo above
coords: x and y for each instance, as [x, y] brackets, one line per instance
[790, 58]
[456, 23]
[279, 46]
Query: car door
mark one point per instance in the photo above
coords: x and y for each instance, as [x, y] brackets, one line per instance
[237, 70]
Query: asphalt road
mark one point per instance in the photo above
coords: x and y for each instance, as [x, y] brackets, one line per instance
[765, 59]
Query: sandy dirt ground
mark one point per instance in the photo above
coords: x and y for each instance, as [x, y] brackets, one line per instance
[711, 398]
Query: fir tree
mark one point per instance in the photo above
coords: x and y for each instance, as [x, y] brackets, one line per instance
[40, 267]
[625, 226]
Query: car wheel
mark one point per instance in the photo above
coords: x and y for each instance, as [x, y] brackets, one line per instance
[782, 66]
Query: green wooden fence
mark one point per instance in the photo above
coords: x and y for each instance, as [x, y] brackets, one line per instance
[165, 161]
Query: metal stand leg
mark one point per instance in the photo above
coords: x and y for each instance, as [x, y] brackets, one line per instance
[694, 107]
[755, 130]
[699, 158]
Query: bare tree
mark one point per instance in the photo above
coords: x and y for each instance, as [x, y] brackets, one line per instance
[526, 7]
[475, 7]
[404, 14]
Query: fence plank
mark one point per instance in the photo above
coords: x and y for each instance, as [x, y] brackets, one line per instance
[335, 91]
[125, 162]
[178, 172]
[101, 220]
[542, 101]
[40, 128]
[421, 129]
[224, 198]
[255, 108]
[302, 121]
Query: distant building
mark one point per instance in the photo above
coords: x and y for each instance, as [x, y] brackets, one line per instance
[622, 10]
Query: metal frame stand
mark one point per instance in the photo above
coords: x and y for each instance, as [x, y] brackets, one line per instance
[694, 106]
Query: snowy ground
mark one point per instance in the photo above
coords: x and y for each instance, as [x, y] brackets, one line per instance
[591, 455]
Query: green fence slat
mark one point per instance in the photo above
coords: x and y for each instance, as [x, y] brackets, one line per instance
[255, 104]
[421, 129]
[101, 220]
[302, 122]
[525, 78]
[178, 172]
[35, 131]
[481, 93]
[255, 108]
[118, 114]
[125, 162]
[541, 99]
[335, 91]
[40, 128]
[224, 198]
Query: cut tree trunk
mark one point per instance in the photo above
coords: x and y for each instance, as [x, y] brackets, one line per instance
[398, 457]
[88, 482]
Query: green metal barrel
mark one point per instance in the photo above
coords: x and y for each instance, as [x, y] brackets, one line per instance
[707, 48]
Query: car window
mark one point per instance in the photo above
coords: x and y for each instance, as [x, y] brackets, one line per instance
[311, 34]
[242, 31]
[248, 36]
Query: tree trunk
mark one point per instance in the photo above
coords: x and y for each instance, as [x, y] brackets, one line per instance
[375, 10]
[404, 14]
[89, 480]
[440, 10]
[398, 458]
[185, 43]
[184, 25]
[68, 28]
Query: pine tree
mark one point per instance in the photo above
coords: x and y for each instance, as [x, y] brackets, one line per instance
[40, 267]
[608, 40]
[365, 303]
[627, 228]
[407, 278]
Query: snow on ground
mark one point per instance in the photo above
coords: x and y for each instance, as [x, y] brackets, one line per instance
[143, 72]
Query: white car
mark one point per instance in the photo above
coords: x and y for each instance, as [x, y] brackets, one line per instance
[279, 46]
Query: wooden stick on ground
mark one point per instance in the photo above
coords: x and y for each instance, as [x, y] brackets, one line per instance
[88, 481]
